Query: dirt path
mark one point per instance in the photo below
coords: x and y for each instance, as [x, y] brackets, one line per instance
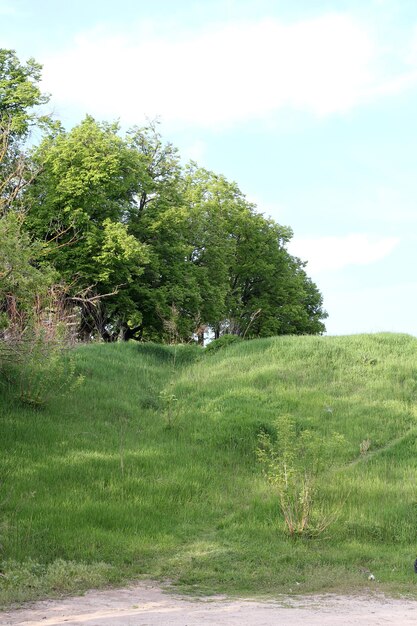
[147, 604]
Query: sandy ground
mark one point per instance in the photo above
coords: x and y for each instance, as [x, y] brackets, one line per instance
[147, 604]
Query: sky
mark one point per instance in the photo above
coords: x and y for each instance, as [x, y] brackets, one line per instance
[309, 105]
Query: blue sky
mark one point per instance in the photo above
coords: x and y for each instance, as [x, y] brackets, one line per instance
[310, 106]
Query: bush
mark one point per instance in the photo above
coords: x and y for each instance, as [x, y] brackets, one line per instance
[223, 342]
[291, 463]
[34, 355]
[41, 369]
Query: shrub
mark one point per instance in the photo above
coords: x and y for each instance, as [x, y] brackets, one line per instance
[223, 342]
[42, 369]
[291, 464]
[34, 357]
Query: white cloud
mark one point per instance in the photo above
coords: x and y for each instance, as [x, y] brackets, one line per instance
[221, 75]
[335, 253]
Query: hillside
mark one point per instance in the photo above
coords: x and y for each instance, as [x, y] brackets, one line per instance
[149, 469]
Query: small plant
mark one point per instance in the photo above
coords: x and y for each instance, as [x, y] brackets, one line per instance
[369, 360]
[291, 463]
[364, 447]
[168, 399]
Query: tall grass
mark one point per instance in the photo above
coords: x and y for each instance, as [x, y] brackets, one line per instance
[99, 485]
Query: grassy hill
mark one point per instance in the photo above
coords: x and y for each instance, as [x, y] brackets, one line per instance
[149, 469]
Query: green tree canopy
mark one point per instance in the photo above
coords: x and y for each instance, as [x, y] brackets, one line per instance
[121, 219]
[24, 273]
[20, 94]
[80, 203]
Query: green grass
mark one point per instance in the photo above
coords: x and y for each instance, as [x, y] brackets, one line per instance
[149, 469]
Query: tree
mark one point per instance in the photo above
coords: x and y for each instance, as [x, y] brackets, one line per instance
[21, 277]
[250, 284]
[21, 273]
[268, 282]
[29, 322]
[20, 99]
[214, 207]
[134, 236]
[80, 204]
[158, 217]
[20, 95]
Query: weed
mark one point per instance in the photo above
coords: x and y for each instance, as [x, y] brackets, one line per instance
[38, 364]
[291, 465]
[369, 360]
[168, 400]
[364, 447]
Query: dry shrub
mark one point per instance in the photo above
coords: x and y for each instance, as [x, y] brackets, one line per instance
[34, 347]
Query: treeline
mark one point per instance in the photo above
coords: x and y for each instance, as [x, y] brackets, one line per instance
[136, 244]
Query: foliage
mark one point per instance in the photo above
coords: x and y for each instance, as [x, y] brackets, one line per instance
[192, 240]
[34, 354]
[251, 285]
[34, 318]
[159, 218]
[40, 369]
[120, 219]
[20, 99]
[20, 276]
[222, 342]
[292, 463]
[32, 325]
[78, 204]
[20, 94]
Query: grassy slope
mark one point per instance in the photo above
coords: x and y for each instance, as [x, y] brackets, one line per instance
[117, 481]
